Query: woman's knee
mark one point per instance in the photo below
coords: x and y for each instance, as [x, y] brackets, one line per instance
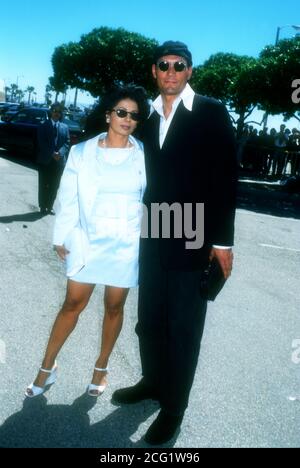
[114, 309]
[73, 306]
[114, 300]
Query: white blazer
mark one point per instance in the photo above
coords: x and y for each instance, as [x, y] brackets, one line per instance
[76, 196]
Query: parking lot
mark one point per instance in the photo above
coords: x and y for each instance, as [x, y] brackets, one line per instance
[246, 378]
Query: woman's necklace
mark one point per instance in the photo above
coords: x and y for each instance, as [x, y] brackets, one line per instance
[104, 144]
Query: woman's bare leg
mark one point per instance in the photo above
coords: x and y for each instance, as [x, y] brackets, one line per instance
[114, 301]
[77, 298]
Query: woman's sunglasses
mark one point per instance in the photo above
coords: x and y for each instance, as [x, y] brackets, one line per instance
[178, 66]
[122, 113]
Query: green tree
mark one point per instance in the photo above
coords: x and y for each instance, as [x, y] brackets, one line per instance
[58, 85]
[230, 78]
[13, 91]
[65, 62]
[7, 93]
[277, 68]
[19, 95]
[103, 57]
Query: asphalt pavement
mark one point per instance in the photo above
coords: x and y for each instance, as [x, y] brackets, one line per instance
[247, 386]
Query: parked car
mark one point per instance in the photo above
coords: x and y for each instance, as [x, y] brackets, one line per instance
[12, 111]
[6, 106]
[77, 133]
[19, 134]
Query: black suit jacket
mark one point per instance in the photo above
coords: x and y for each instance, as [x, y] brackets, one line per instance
[46, 143]
[197, 164]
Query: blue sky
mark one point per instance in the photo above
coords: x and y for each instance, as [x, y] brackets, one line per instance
[31, 29]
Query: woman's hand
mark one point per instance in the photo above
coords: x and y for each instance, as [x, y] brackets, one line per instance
[61, 251]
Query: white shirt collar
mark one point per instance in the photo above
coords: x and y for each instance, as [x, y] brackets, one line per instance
[53, 122]
[186, 96]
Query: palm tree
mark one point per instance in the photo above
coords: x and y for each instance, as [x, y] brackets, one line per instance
[7, 93]
[49, 89]
[19, 94]
[14, 92]
[30, 90]
[58, 86]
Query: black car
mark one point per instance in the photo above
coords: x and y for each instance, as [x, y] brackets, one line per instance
[6, 107]
[19, 134]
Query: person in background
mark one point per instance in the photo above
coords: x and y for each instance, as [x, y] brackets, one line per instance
[281, 143]
[53, 148]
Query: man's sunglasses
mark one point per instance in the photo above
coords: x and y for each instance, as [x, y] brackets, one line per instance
[178, 66]
[122, 113]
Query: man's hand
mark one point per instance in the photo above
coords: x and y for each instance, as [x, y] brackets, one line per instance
[225, 258]
[61, 251]
[56, 156]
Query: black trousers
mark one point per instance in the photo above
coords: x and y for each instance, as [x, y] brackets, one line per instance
[49, 179]
[171, 317]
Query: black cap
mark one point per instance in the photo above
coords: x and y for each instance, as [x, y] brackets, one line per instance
[173, 48]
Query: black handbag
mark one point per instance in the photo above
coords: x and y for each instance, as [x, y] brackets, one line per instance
[212, 280]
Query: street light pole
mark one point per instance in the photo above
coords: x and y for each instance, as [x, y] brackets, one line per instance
[277, 35]
[19, 76]
[294, 26]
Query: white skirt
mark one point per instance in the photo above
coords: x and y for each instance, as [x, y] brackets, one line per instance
[112, 260]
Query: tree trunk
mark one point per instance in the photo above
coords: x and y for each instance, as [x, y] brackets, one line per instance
[75, 99]
[240, 124]
[265, 120]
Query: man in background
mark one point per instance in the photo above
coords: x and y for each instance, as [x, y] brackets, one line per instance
[53, 149]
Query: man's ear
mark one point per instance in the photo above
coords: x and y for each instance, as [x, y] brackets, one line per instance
[154, 71]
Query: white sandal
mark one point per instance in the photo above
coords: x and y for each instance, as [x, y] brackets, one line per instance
[98, 389]
[34, 390]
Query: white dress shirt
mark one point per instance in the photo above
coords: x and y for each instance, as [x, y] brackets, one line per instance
[187, 97]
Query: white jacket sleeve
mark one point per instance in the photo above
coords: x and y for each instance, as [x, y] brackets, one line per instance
[67, 202]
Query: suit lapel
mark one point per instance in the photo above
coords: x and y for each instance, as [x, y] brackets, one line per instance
[151, 132]
[178, 126]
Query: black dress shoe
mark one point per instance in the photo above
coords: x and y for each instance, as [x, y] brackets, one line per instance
[130, 395]
[51, 212]
[163, 428]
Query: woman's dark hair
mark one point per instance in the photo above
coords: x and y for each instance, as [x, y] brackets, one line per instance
[96, 121]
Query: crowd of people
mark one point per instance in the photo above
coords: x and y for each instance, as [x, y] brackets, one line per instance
[270, 153]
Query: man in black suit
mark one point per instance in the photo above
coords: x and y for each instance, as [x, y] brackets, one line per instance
[53, 149]
[190, 160]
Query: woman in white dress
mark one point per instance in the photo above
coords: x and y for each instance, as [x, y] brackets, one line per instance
[97, 228]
